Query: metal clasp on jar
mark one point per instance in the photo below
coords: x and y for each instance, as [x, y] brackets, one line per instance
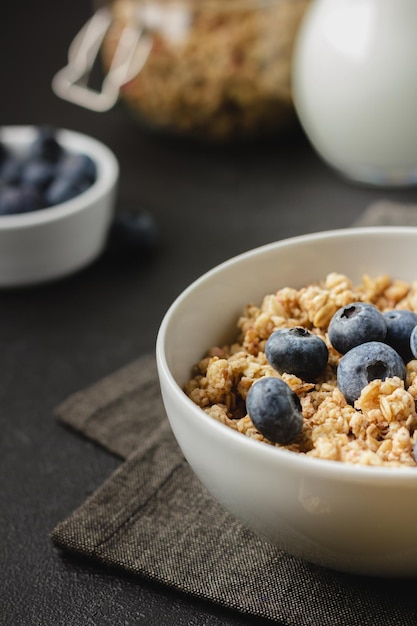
[72, 81]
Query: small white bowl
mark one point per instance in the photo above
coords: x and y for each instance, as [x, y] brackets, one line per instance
[53, 242]
[343, 516]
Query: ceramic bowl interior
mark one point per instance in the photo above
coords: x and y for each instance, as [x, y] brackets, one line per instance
[50, 243]
[346, 517]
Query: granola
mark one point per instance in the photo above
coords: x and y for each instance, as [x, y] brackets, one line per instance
[380, 429]
[216, 69]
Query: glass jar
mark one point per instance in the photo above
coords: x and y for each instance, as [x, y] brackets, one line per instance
[212, 69]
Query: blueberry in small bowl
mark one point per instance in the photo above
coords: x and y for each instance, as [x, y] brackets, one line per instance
[57, 195]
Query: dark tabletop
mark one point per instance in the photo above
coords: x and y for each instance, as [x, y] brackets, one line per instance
[208, 205]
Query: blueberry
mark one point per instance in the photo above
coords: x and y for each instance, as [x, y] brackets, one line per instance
[413, 343]
[77, 168]
[132, 233]
[45, 146]
[38, 173]
[400, 323]
[275, 410]
[15, 200]
[297, 351]
[354, 324]
[61, 190]
[11, 170]
[369, 361]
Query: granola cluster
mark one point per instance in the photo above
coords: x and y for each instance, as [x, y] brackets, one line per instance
[381, 427]
[217, 69]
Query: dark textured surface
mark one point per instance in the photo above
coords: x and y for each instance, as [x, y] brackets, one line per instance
[59, 338]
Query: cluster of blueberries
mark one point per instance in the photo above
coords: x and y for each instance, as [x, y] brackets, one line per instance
[44, 176]
[374, 346]
[48, 174]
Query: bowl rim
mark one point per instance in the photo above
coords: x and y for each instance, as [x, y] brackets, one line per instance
[319, 467]
[107, 174]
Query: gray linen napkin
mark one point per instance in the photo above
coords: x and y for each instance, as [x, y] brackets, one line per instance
[388, 213]
[153, 518]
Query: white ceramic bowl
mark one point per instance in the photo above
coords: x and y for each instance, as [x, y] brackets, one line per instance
[53, 242]
[346, 517]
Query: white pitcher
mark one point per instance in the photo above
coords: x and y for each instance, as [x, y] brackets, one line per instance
[355, 87]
